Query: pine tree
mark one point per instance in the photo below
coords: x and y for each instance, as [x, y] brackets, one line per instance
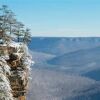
[27, 36]
[4, 25]
[11, 21]
[19, 30]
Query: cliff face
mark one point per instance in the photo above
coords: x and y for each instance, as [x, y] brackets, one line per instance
[15, 62]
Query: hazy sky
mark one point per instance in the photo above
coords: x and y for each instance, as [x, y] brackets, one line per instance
[58, 17]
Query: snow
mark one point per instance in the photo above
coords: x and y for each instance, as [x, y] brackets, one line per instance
[24, 55]
[5, 88]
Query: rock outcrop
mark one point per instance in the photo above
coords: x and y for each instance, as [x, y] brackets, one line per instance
[15, 62]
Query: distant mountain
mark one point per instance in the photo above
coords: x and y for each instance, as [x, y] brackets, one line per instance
[84, 62]
[59, 46]
[82, 55]
[94, 74]
[77, 58]
[65, 69]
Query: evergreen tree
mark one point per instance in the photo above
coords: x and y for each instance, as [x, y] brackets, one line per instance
[4, 25]
[27, 36]
[19, 30]
[11, 21]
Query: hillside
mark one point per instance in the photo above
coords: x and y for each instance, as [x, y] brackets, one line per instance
[79, 57]
[81, 60]
[51, 85]
[73, 75]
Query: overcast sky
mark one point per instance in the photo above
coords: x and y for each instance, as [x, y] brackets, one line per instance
[58, 17]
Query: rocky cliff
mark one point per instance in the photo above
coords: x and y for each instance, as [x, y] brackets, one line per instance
[15, 62]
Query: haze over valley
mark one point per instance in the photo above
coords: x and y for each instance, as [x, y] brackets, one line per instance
[65, 69]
